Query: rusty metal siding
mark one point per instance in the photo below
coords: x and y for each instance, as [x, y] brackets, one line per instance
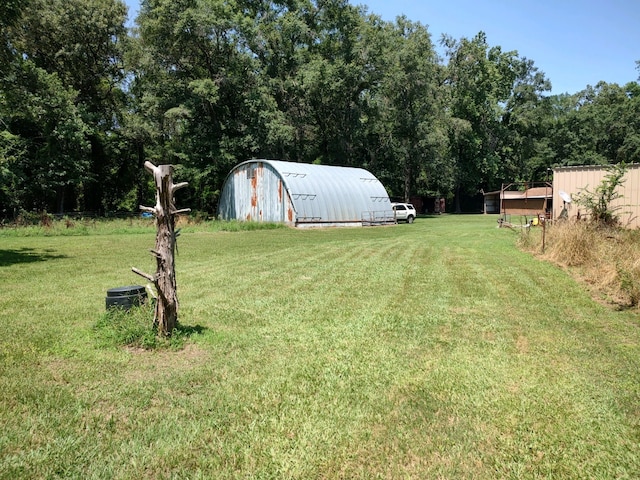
[253, 191]
[573, 179]
[301, 194]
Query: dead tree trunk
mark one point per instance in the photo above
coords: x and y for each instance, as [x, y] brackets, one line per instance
[166, 313]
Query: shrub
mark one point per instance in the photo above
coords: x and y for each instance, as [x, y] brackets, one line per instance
[598, 203]
[41, 218]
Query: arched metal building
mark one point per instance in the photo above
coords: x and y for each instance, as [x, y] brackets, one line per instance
[304, 195]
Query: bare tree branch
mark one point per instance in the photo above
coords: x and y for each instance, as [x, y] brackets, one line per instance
[148, 209]
[151, 278]
[178, 186]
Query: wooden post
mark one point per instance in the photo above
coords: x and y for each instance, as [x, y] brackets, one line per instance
[166, 313]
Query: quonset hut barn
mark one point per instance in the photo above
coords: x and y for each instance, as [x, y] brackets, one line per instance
[304, 195]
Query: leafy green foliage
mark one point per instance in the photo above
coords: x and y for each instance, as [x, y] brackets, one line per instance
[411, 117]
[60, 98]
[206, 84]
[51, 131]
[496, 98]
[11, 153]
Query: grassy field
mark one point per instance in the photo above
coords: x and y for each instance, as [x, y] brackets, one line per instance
[432, 350]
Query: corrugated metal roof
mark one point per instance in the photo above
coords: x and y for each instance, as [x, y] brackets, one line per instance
[535, 192]
[319, 194]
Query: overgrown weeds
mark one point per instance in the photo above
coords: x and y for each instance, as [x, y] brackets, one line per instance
[118, 327]
[574, 244]
[226, 225]
[47, 225]
[606, 259]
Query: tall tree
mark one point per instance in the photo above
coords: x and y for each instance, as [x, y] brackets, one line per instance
[334, 80]
[282, 35]
[199, 83]
[597, 126]
[412, 105]
[66, 70]
[11, 145]
[526, 121]
[481, 79]
[629, 150]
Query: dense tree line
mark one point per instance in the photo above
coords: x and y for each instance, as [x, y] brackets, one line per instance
[205, 84]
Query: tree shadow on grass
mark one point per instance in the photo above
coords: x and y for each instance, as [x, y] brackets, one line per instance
[26, 255]
[188, 330]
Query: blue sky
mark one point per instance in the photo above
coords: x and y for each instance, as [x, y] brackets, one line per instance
[574, 42]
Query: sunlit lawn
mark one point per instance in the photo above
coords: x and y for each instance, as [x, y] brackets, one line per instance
[432, 350]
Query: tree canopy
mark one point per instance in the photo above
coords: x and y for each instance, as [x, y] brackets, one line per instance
[205, 84]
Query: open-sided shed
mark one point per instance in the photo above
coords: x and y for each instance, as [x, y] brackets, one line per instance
[531, 201]
[304, 195]
[523, 199]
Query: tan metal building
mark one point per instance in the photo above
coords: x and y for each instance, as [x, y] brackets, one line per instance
[569, 181]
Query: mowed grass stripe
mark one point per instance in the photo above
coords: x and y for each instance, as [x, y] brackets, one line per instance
[416, 351]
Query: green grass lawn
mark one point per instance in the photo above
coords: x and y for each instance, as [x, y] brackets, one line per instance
[432, 350]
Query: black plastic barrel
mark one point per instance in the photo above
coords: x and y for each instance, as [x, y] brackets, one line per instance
[125, 297]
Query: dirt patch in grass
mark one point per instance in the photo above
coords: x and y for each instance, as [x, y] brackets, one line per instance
[522, 345]
[151, 363]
